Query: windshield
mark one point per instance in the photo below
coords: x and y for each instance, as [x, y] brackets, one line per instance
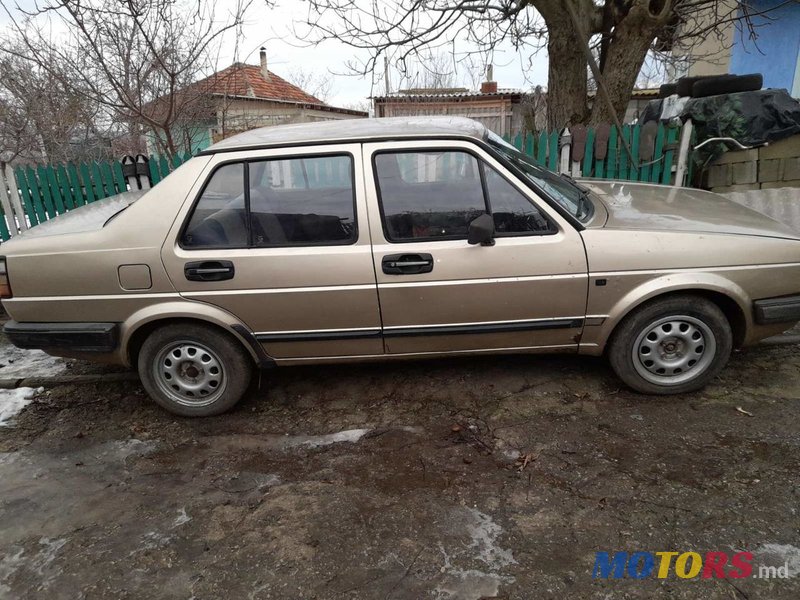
[561, 188]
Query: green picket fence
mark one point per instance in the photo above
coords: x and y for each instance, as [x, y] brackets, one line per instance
[46, 191]
[545, 149]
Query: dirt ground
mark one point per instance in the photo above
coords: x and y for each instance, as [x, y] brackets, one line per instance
[458, 479]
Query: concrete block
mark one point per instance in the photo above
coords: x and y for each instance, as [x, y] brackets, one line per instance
[719, 175]
[785, 148]
[794, 183]
[791, 169]
[744, 187]
[736, 156]
[744, 172]
[770, 169]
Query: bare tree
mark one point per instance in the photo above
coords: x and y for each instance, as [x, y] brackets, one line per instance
[41, 119]
[620, 32]
[137, 59]
[318, 85]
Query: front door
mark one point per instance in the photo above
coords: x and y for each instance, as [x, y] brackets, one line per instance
[440, 294]
[280, 239]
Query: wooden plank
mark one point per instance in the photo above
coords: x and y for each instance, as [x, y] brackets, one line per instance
[669, 155]
[177, 161]
[529, 145]
[655, 172]
[108, 179]
[163, 166]
[86, 180]
[55, 192]
[44, 190]
[588, 154]
[75, 182]
[552, 152]
[119, 177]
[64, 187]
[152, 164]
[20, 207]
[541, 154]
[634, 170]
[35, 210]
[623, 154]
[612, 158]
[5, 202]
[97, 181]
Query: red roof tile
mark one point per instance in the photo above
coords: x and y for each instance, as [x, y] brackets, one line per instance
[247, 80]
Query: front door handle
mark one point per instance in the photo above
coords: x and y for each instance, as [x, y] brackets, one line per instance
[407, 264]
[209, 270]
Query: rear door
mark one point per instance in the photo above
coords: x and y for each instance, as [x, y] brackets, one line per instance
[280, 239]
[440, 294]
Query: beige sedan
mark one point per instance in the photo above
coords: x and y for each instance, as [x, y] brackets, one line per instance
[390, 239]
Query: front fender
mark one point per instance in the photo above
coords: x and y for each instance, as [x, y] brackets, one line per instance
[607, 309]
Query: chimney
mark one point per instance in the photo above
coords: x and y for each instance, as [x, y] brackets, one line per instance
[264, 71]
[489, 86]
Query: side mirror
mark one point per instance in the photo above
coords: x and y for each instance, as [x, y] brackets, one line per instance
[481, 231]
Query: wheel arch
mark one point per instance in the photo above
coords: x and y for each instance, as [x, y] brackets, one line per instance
[143, 322]
[729, 297]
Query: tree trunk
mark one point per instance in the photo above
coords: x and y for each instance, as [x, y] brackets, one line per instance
[567, 82]
[567, 102]
[625, 55]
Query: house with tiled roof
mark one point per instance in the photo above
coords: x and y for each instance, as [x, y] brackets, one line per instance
[243, 97]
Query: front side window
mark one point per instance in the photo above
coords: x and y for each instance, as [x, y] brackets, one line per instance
[435, 195]
[276, 202]
[429, 195]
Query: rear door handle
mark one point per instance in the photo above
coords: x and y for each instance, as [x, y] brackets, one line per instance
[209, 270]
[407, 264]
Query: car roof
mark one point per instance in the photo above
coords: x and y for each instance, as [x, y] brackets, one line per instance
[347, 130]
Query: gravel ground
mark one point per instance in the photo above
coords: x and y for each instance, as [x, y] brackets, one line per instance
[477, 478]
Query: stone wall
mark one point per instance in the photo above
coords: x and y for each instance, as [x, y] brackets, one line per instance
[774, 166]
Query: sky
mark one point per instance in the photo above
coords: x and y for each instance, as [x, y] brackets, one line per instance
[272, 27]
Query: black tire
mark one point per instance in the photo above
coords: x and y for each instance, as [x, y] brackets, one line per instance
[683, 86]
[626, 351]
[730, 84]
[208, 369]
[668, 89]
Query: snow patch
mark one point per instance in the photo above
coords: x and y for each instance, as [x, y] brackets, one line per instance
[484, 533]
[15, 362]
[317, 441]
[13, 401]
[181, 519]
[779, 555]
[474, 584]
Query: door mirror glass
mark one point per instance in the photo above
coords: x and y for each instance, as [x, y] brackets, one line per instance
[481, 230]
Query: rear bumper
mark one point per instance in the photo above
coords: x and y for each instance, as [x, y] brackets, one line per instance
[785, 309]
[70, 337]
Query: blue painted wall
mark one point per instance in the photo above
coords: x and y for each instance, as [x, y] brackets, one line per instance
[776, 52]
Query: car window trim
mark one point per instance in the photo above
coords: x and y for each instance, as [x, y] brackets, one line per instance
[246, 168]
[486, 199]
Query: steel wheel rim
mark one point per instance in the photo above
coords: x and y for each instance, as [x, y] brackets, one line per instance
[673, 350]
[190, 373]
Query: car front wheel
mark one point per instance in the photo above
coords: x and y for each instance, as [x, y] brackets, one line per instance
[672, 345]
[194, 370]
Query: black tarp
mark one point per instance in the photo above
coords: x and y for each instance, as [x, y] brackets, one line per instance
[751, 118]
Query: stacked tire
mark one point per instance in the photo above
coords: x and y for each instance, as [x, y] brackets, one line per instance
[712, 85]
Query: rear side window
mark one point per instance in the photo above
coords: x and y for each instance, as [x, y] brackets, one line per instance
[435, 195]
[273, 203]
[302, 201]
[219, 219]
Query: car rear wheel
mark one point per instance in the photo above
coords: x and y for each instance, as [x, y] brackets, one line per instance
[671, 346]
[194, 370]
